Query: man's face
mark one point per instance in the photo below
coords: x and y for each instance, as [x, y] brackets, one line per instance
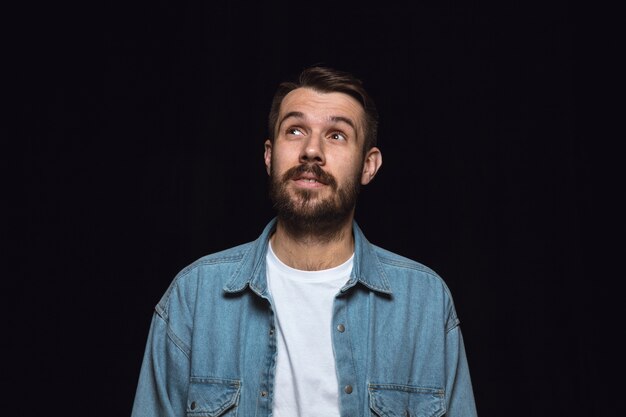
[316, 162]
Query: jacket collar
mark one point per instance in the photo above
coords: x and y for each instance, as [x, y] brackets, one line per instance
[251, 272]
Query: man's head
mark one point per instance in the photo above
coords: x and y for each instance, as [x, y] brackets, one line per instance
[328, 80]
[320, 151]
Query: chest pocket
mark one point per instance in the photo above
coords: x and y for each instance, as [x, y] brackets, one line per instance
[211, 397]
[390, 400]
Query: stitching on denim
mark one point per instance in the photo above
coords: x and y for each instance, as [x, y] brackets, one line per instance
[436, 392]
[372, 286]
[251, 283]
[211, 261]
[237, 272]
[185, 272]
[354, 368]
[229, 286]
[453, 320]
[407, 264]
[381, 272]
[419, 267]
[455, 323]
[233, 402]
[211, 380]
[178, 342]
[246, 249]
[406, 388]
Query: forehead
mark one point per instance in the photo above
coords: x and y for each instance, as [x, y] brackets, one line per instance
[323, 106]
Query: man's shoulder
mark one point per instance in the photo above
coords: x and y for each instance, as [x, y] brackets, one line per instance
[414, 280]
[226, 256]
[394, 260]
[207, 274]
[400, 270]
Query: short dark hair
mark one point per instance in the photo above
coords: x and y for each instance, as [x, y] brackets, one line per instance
[328, 80]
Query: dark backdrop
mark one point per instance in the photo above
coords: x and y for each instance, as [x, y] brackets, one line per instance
[142, 128]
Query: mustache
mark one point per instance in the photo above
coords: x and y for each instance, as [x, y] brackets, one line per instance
[320, 174]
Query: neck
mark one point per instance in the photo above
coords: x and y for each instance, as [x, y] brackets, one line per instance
[312, 251]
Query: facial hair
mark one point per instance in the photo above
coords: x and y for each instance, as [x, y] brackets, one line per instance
[303, 212]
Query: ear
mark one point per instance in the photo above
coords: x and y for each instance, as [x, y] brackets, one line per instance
[268, 156]
[371, 165]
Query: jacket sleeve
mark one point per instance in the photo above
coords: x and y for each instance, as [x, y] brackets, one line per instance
[459, 394]
[164, 377]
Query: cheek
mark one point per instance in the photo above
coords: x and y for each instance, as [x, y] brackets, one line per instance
[284, 157]
[350, 165]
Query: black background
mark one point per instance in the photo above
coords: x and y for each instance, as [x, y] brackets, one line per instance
[140, 149]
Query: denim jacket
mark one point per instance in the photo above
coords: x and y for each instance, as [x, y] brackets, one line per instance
[398, 348]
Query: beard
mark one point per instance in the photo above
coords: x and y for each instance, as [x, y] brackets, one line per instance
[303, 212]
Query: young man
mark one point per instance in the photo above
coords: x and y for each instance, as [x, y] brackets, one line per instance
[310, 319]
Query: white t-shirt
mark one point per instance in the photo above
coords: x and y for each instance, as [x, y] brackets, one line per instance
[306, 379]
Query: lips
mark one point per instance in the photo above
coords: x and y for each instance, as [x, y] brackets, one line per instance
[310, 175]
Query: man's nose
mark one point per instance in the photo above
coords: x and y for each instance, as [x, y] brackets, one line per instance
[313, 150]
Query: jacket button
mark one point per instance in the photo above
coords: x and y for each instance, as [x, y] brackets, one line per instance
[348, 389]
[193, 405]
[341, 328]
[272, 331]
[263, 393]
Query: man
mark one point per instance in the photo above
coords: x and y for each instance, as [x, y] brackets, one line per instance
[310, 319]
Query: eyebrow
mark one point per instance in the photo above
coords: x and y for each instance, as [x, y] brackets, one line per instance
[345, 120]
[300, 115]
[296, 114]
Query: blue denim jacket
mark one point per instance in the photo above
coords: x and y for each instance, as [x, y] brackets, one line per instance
[398, 347]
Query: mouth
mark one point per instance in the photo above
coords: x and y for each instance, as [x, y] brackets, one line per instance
[308, 182]
[309, 178]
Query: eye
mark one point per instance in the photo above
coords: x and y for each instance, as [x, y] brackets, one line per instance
[294, 131]
[338, 136]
